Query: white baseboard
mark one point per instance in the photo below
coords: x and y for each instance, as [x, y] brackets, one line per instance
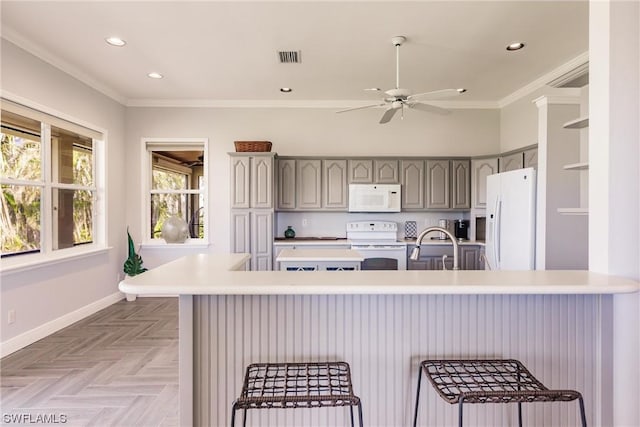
[20, 341]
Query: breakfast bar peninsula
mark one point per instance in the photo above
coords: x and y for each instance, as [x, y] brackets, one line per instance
[383, 323]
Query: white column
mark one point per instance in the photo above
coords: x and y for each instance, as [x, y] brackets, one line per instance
[614, 185]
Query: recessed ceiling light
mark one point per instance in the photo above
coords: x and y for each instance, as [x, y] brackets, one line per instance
[155, 75]
[115, 41]
[515, 46]
[285, 89]
[461, 90]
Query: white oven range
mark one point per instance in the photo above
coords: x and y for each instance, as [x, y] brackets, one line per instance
[377, 242]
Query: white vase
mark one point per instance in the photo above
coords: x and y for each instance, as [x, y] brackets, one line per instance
[130, 297]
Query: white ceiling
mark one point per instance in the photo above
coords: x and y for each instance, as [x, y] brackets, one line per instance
[226, 51]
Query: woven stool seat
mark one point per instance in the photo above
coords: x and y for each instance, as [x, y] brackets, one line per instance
[489, 381]
[297, 385]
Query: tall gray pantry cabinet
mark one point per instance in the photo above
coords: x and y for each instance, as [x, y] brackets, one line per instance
[252, 207]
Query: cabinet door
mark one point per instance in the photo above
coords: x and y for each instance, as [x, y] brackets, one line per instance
[361, 171]
[420, 264]
[308, 184]
[286, 198]
[461, 197]
[438, 196]
[412, 181]
[262, 182]
[240, 182]
[385, 172]
[261, 240]
[469, 257]
[334, 184]
[480, 170]
[511, 162]
[531, 158]
[240, 232]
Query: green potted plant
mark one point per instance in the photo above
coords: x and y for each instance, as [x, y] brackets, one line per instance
[133, 264]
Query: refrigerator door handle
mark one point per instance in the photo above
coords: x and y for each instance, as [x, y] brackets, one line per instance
[496, 231]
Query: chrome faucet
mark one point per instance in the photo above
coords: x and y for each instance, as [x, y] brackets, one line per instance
[415, 254]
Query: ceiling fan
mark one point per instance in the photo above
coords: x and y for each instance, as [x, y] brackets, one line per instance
[399, 98]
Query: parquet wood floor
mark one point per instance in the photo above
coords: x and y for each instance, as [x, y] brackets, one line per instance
[118, 367]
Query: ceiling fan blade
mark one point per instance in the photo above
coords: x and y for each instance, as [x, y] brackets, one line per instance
[360, 108]
[388, 115]
[428, 107]
[435, 94]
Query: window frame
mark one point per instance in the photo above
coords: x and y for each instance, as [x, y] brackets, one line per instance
[47, 253]
[150, 145]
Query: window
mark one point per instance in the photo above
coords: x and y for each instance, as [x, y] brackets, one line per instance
[176, 176]
[49, 184]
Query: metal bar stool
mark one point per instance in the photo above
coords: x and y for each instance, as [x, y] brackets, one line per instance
[296, 385]
[489, 381]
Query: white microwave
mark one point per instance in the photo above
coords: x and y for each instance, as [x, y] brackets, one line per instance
[374, 197]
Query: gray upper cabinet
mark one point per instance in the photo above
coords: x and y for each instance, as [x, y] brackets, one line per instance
[412, 181]
[308, 184]
[480, 170]
[438, 187]
[531, 158]
[334, 184]
[511, 162]
[251, 181]
[240, 182]
[461, 184]
[385, 171]
[261, 182]
[361, 171]
[286, 198]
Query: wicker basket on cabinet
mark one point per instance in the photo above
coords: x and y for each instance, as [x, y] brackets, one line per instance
[252, 146]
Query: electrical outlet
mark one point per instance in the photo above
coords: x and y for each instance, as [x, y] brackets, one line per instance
[11, 316]
[305, 222]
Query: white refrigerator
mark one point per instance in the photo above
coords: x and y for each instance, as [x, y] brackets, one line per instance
[511, 214]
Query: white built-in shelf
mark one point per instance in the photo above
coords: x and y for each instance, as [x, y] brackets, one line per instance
[573, 211]
[579, 123]
[577, 166]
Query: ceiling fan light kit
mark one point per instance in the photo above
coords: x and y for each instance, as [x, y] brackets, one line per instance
[399, 98]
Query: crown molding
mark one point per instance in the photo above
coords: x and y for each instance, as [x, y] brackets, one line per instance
[564, 98]
[273, 103]
[545, 79]
[64, 66]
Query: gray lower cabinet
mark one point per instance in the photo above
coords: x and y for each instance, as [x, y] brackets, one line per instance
[470, 257]
[334, 185]
[431, 257]
[480, 170]
[412, 182]
[511, 162]
[308, 184]
[385, 171]
[437, 181]
[252, 232]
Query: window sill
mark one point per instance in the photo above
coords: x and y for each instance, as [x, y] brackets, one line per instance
[16, 265]
[189, 244]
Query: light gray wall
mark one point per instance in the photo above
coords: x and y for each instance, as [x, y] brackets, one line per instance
[44, 294]
[301, 131]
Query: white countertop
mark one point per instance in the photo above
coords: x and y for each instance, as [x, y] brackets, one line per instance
[320, 255]
[311, 242]
[210, 274]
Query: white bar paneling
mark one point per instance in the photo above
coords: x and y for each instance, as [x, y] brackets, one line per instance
[384, 338]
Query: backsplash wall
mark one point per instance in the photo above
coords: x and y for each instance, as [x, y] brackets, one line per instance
[333, 224]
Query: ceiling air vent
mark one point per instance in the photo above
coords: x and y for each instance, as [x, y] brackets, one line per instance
[290, 56]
